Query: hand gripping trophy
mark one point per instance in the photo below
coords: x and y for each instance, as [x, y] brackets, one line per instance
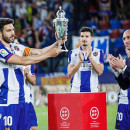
[61, 26]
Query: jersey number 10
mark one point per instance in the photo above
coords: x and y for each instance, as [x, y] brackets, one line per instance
[8, 120]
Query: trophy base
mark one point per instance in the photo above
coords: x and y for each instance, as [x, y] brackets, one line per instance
[64, 50]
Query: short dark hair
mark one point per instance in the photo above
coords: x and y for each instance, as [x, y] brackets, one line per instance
[5, 21]
[87, 29]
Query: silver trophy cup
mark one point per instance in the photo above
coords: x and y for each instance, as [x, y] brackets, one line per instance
[61, 26]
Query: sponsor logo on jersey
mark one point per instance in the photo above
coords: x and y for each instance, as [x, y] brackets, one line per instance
[3, 52]
[16, 48]
[95, 53]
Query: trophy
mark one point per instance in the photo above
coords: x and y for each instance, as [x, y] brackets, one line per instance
[61, 26]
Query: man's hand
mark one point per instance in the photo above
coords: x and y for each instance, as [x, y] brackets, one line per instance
[26, 71]
[120, 64]
[55, 51]
[63, 40]
[81, 57]
[89, 51]
[116, 63]
[110, 60]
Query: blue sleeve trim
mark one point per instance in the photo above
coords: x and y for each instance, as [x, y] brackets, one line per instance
[8, 57]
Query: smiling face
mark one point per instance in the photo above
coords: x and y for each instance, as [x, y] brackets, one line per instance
[85, 38]
[8, 33]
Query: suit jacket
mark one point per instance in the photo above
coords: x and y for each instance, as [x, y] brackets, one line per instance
[124, 79]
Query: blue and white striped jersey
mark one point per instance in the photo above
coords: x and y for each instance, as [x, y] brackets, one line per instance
[85, 79]
[124, 96]
[27, 85]
[11, 76]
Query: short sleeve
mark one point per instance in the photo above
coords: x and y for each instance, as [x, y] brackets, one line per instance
[5, 54]
[72, 58]
[23, 50]
[26, 51]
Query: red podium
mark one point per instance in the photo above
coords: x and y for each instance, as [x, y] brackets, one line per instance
[77, 111]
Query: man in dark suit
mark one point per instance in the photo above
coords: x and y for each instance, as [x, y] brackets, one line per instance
[121, 69]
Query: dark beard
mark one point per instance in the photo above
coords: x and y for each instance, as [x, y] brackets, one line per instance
[6, 39]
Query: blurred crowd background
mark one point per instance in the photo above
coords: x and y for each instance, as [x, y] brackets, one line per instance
[34, 26]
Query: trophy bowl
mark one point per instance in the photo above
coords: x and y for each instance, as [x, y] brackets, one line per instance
[61, 26]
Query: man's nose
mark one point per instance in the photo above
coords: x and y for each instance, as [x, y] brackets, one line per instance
[12, 32]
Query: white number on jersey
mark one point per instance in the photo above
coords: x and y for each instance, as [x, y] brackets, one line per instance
[8, 120]
[119, 116]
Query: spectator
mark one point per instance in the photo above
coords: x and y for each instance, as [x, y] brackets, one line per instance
[122, 10]
[105, 9]
[20, 10]
[43, 11]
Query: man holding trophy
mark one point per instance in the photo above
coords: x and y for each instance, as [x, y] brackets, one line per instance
[85, 64]
[12, 56]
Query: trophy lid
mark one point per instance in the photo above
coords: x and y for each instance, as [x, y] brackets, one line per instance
[60, 13]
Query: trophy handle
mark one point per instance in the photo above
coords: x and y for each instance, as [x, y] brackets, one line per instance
[66, 50]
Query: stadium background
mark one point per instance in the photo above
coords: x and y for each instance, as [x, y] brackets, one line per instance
[34, 28]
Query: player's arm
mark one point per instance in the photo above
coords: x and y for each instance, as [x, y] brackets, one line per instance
[46, 49]
[29, 77]
[121, 79]
[72, 69]
[97, 67]
[124, 83]
[43, 50]
[15, 59]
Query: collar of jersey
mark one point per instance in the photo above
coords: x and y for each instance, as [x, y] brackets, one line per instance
[82, 49]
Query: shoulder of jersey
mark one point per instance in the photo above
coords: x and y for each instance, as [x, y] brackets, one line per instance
[75, 50]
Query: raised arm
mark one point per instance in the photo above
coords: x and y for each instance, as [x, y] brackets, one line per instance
[28, 60]
[98, 67]
[116, 64]
[123, 82]
[46, 49]
[72, 69]
[35, 51]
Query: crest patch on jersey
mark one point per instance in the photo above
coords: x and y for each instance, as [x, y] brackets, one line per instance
[3, 52]
[7, 128]
[95, 53]
[16, 48]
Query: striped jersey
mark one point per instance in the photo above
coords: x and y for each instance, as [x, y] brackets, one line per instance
[11, 75]
[124, 95]
[85, 79]
[27, 85]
